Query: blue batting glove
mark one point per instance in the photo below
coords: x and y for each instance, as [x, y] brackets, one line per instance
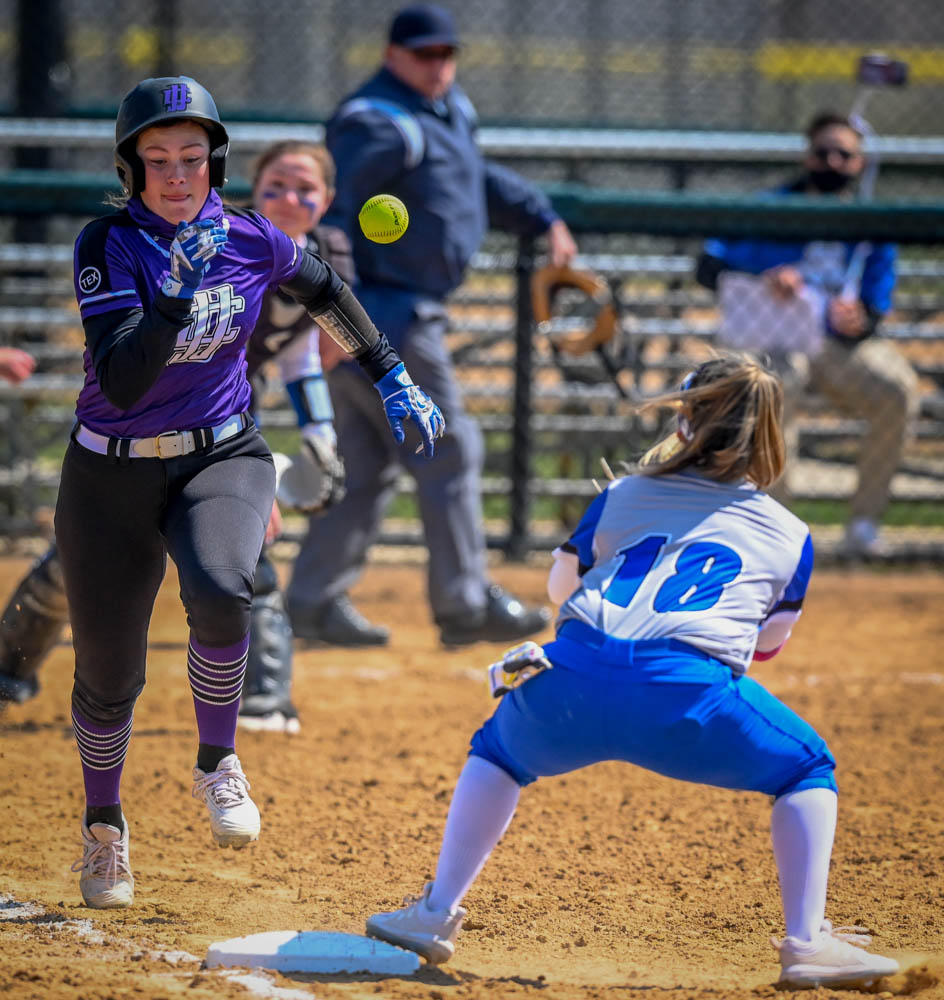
[402, 400]
[195, 245]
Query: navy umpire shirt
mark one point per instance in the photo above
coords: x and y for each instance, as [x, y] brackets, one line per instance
[388, 138]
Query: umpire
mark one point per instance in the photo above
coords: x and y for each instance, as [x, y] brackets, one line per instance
[410, 131]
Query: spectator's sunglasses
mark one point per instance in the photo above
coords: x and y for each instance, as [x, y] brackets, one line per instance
[824, 152]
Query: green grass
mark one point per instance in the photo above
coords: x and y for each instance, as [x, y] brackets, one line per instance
[568, 511]
[900, 513]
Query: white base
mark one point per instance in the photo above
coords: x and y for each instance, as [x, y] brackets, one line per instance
[312, 951]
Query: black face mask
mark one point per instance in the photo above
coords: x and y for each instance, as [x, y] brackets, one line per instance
[829, 181]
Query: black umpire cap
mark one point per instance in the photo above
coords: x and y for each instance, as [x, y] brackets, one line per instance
[424, 24]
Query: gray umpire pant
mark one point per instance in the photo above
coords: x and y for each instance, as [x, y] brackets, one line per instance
[334, 551]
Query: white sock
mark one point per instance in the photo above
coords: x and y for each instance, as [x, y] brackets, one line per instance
[482, 807]
[802, 827]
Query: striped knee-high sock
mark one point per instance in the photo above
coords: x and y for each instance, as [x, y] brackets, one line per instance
[102, 751]
[216, 680]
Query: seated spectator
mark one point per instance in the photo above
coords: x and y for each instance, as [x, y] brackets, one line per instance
[845, 289]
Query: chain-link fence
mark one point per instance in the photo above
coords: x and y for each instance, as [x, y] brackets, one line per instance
[669, 98]
[717, 64]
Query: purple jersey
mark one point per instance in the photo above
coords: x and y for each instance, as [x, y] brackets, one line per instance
[119, 264]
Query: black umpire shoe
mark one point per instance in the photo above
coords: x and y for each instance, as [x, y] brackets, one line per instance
[338, 623]
[503, 619]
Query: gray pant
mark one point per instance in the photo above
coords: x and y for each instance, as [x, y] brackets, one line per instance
[333, 553]
[873, 382]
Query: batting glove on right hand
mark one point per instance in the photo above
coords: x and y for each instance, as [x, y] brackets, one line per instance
[402, 400]
[195, 245]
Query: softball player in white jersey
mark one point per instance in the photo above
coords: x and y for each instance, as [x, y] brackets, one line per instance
[673, 581]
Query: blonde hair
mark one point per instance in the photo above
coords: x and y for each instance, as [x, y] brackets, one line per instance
[316, 151]
[117, 199]
[730, 410]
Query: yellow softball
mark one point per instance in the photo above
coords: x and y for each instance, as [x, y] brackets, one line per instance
[383, 218]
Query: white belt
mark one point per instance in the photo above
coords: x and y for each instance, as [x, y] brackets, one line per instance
[171, 444]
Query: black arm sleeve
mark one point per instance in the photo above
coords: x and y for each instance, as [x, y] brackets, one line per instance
[378, 359]
[129, 348]
[333, 306]
[315, 284]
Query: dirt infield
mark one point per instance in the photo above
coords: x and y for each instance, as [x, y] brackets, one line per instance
[611, 883]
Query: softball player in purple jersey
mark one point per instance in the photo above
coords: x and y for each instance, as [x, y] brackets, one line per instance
[673, 581]
[164, 457]
[293, 185]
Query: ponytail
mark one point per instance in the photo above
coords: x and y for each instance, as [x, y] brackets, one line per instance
[730, 414]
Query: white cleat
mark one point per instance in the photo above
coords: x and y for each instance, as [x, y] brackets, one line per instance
[234, 818]
[832, 959]
[106, 881]
[430, 933]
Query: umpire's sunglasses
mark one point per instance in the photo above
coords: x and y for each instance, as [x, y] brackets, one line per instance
[434, 53]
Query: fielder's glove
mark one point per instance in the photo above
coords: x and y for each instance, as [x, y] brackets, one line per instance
[313, 480]
[547, 282]
[195, 245]
[402, 400]
[517, 665]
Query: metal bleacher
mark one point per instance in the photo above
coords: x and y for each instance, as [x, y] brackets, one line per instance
[579, 411]
[661, 333]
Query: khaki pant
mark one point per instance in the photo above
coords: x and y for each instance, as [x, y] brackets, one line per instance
[873, 382]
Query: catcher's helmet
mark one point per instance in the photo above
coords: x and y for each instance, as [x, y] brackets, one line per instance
[163, 100]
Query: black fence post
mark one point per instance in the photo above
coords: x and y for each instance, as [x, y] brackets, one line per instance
[41, 89]
[166, 22]
[521, 440]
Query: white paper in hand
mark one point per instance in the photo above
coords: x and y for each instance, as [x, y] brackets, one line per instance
[754, 319]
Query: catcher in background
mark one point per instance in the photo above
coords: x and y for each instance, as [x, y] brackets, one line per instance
[293, 184]
[674, 579]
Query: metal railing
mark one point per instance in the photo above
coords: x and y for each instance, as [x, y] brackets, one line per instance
[642, 145]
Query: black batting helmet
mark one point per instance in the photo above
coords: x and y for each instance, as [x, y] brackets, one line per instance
[163, 100]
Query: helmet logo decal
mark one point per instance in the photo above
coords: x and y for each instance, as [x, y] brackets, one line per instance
[177, 97]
